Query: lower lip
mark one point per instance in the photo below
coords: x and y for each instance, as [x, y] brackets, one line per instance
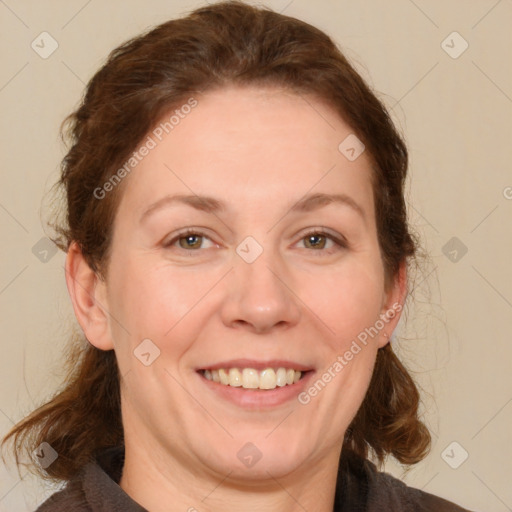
[258, 398]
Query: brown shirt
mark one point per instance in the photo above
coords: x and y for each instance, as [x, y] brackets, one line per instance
[360, 488]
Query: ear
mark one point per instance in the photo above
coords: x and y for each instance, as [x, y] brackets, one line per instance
[88, 295]
[393, 305]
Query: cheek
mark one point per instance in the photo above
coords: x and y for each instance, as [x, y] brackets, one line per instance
[350, 299]
[152, 300]
[149, 300]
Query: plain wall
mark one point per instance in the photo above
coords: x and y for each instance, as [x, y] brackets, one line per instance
[456, 114]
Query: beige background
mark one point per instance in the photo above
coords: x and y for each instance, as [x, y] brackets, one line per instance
[457, 117]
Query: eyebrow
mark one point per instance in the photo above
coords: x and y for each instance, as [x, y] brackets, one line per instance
[208, 204]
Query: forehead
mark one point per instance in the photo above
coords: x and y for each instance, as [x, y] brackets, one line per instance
[247, 143]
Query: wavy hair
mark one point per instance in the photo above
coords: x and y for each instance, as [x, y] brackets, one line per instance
[228, 43]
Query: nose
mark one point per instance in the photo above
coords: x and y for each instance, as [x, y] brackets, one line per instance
[260, 296]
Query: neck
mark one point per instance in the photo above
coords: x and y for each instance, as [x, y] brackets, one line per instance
[161, 483]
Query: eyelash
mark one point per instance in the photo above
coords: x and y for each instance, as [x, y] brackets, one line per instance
[340, 243]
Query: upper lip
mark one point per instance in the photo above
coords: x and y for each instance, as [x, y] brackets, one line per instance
[257, 364]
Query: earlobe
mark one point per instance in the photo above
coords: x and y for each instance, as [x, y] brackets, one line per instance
[393, 305]
[87, 293]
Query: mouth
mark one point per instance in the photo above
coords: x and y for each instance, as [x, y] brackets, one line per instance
[251, 378]
[255, 385]
[249, 374]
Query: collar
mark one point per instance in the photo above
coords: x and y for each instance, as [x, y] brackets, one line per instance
[100, 483]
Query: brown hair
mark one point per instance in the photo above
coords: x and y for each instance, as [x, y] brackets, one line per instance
[228, 43]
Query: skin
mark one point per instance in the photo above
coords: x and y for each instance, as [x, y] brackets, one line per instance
[297, 301]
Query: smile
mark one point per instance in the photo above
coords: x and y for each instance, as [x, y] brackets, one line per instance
[250, 378]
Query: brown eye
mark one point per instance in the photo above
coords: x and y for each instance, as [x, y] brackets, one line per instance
[190, 241]
[318, 241]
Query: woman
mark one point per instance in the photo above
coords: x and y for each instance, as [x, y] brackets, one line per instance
[237, 254]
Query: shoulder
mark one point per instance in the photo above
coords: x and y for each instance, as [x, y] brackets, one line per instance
[71, 497]
[376, 489]
[95, 488]
[402, 497]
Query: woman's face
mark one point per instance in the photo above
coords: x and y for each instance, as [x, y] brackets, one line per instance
[270, 276]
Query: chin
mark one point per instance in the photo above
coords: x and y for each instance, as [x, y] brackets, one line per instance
[258, 460]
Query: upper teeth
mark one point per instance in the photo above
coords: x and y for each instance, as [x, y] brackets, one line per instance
[250, 378]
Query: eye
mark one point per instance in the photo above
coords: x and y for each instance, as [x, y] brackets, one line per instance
[192, 240]
[318, 239]
[188, 240]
